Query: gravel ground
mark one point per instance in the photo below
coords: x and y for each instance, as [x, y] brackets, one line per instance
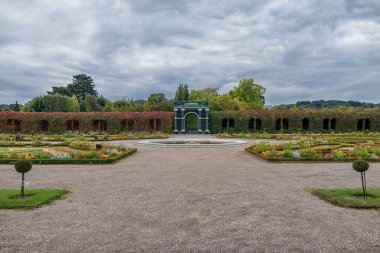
[190, 200]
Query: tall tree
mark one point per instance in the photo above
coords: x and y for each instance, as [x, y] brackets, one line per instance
[75, 104]
[64, 91]
[250, 93]
[81, 86]
[203, 94]
[16, 107]
[158, 102]
[49, 103]
[124, 105]
[182, 93]
[91, 105]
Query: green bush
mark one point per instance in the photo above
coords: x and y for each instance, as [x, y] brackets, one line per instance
[362, 153]
[309, 152]
[93, 155]
[23, 166]
[360, 165]
[288, 153]
[339, 154]
[264, 148]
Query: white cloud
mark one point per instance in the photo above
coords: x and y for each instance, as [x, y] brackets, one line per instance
[298, 50]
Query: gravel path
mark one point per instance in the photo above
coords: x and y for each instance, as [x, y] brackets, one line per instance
[190, 200]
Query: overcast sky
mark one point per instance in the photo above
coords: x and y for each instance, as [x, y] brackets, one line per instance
[299, 50]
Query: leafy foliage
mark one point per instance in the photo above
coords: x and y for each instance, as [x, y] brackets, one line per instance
[158, 102]
[23, 166]
[250, 93]
[182, 93]
[360, 165]
[330, 104]
[59, 122]
[81, 86]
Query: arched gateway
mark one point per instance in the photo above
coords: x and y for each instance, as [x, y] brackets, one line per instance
[191, 117]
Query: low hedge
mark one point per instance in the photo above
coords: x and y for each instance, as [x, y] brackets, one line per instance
[306, 159]
[129, 152]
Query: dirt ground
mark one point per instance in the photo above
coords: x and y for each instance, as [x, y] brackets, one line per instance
[190, 200]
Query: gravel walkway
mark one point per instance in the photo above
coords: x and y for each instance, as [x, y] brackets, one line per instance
[190, 200]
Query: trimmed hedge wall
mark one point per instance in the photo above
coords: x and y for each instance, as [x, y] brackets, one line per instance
[290, 121]
[272, 121]
[60, 122]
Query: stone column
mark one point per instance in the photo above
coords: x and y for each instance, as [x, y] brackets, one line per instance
[183, 120]
[175, 121]
[199, 120]
[206, 130]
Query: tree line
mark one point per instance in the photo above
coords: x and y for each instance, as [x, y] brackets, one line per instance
[81, 96]
[329, 104]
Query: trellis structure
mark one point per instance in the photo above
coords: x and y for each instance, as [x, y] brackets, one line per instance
[184, 109]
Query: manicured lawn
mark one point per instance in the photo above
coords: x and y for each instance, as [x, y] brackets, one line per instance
[9, 198]
[350, 197]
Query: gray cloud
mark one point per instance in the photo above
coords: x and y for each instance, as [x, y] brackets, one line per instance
[299, 50]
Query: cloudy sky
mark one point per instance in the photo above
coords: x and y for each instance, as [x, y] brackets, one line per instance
[299, 50]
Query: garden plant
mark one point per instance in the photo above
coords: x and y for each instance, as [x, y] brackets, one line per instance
[362, 166]
[23, 166]
[320, 147]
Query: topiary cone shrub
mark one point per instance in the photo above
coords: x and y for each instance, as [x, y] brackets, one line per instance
[23, 166]
[362, 166]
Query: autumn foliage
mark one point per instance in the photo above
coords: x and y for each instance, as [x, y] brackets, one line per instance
[61, 122]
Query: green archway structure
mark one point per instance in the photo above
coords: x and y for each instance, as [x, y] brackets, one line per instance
[190, 117]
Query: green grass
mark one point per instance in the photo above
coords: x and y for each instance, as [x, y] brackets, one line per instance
[350, 197]
[10, 198]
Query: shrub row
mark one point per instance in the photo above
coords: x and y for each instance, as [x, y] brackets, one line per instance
[290, 121]
[60, 122]
[272, 121]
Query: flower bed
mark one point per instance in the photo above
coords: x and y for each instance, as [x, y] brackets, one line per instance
[319, 149]
[42, 139]
[354, 137]
[76, 153]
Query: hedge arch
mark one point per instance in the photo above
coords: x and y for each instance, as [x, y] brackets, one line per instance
[123, 125]
[99, 125]
[43, 125]
[282, 124]
[131, 125]
[224, 123]
[15, 124]
[305, 124]
[72, 125]
[329, 124]
[254, 124]
[363, 124]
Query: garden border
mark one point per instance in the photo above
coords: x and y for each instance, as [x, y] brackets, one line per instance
[129, 152]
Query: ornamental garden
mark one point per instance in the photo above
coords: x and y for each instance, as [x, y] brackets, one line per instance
[283, 135]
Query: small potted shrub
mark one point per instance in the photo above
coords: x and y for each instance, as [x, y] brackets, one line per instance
[362, 166]
[23, 166]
